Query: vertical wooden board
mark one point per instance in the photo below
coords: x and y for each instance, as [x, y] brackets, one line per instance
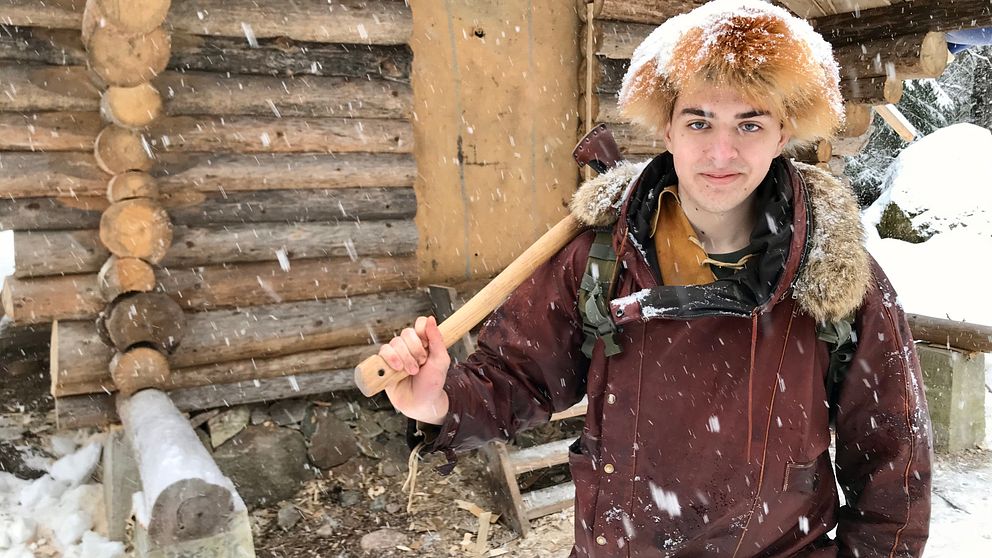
[495, 95]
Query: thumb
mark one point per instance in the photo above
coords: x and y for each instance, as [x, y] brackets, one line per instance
[437, 353]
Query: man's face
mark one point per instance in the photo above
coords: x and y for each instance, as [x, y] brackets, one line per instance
[722, 147]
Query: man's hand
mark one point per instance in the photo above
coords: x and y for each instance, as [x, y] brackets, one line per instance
[421, 353]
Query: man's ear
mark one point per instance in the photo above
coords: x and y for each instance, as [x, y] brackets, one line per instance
[667, 136]
[782, 142]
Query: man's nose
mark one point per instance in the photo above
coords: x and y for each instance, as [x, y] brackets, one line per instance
[723, 146]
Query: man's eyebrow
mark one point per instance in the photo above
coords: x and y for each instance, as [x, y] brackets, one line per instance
[741, 116]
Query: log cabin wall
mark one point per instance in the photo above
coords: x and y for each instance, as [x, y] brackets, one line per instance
[284, 157]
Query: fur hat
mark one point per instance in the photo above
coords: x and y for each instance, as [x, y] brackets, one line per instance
[773, 58]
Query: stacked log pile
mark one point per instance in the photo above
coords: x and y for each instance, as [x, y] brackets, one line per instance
[236, 177]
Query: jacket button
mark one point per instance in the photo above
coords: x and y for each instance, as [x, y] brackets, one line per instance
[608, 468]
[619, 312]
[601, 540]
[611, 399]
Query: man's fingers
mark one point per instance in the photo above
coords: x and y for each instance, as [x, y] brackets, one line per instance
[409, 363]
[392, 358]
[415, 344]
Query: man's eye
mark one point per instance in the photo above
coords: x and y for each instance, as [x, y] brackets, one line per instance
[697, 125]
[750, 127]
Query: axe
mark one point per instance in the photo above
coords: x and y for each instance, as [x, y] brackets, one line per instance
[597, 149]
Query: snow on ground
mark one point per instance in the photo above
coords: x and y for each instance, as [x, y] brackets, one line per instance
[943, 179]
[61, 512]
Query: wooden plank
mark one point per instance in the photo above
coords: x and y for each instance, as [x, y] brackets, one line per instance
[32, 175]
[39, 253]
[549, 500]
[76, 297]
[97, 409]
[577, 410]
[539, 457]
[504, 486]
[891, 115]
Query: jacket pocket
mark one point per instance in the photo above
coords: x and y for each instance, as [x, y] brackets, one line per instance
[805, 477]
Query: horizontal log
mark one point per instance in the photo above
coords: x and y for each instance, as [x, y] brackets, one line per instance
[17, 339]
[49, 131]
[914, 56]
[269, 134]
[40, 253]
[902, 18]
[337, 21]
[284, 57]
[78, 297]
[195, 209]
[80, 357]
[305, 362]
[872, 91]
[636, 141]
[31, 175]
[97, 409]
[652, 12]
[621, 38]
[279, 56]
[611, 73]
[951, 333]
[31, 88]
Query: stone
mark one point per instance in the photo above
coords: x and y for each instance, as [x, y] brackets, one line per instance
[227, 424]
[367, 426]
[350, 498]
[383, 539]
[288, 411]
[346, 410]
[287, 517]
[895, 223]
[259, 414]
[332, 441]
[12, 461]
[955, 389]
[267, 464]
[392, 422]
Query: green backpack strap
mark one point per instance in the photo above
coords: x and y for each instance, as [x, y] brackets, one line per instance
[594, 295]
[842, 341]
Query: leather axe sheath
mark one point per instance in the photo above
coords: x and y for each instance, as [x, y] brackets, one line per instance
[599, 150]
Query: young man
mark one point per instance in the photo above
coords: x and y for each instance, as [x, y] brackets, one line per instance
[708, 434]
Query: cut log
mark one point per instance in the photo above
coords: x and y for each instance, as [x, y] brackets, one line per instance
[97, 409]
[50, 174]
[61, 14]
[133, 16]
[130, 185]
[131, 107]
[902, 18]
[872, 91]
[283, 57]
[620, 38]
[951, 333]
[137, 369]
[39, 253]
[49, 131]
[128, 60]
[79, 297]
[857, 119]
[45, 88]
[70, 297]
[185, 496]
[653, 12]
[51, 213]
[336, 21]
[121, 276]
[120, 150]
[138, 228]
[297, 364]
[251, 134]
[146, 319]
[634, 140]
[905, 57]
[207, 93]
[849, 146]
[79, 356]
[198, 209]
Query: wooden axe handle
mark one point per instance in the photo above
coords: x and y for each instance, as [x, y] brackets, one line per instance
[373, 374]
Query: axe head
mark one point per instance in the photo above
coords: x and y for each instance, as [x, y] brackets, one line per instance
[598, 149]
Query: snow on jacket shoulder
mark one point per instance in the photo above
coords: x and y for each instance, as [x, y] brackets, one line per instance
[708, 434]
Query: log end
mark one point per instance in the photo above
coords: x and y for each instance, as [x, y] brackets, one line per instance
[138, 369]
[190, 509]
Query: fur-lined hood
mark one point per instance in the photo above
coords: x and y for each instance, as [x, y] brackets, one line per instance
[836, 274]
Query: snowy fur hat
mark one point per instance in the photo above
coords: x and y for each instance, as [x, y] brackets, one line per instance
[773, 58]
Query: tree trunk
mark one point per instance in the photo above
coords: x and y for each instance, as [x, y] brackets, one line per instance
[280, 56]
[79, 357]
[902, 18]
[950, 333]
[185, 495]
[198, 209]
[916, 56]
[311, 96]
[138, 228]
[65, 252]
[251, 134]
[79, 297]
[31, 175]
[146, 319]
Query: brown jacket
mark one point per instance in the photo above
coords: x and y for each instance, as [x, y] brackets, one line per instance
[708, 435]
